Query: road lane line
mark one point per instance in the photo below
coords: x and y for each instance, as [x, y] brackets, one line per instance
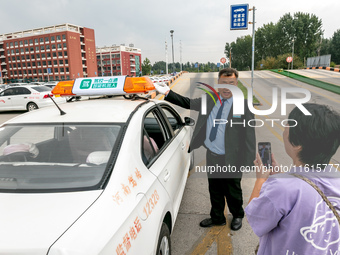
[207, 240]
[170, 88]
[224, 244]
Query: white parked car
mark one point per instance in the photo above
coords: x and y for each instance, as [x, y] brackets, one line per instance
[37, 83]
[27, 97]
[107, 177]
[155, 79]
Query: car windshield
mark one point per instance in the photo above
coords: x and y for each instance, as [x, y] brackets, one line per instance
[54, 157]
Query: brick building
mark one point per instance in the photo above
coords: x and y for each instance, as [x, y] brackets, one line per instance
[119, 60]
[60, 52]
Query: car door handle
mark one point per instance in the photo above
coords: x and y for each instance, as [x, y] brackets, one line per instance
[183, 146]
[167, 175]
[9, 98]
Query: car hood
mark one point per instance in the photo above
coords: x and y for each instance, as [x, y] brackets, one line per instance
[31, 223]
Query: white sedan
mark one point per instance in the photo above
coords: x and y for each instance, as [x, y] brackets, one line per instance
[107, 177]
[27, 97]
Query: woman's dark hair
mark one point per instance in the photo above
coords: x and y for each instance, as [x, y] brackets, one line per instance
[317, 134]
[228, 72]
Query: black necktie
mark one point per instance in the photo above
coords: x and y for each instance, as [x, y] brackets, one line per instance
[213, 131]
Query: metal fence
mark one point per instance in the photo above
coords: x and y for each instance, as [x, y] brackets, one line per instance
[324, 60]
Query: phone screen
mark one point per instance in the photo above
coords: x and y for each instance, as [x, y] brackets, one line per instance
[265, 151]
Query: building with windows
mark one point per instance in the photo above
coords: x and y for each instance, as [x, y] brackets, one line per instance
[60, 52]
[119, 60]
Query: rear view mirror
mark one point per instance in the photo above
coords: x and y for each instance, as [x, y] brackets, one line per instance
[189, 121]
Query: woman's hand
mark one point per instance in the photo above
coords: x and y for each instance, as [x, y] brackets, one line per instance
[262, 172]
[276, 169]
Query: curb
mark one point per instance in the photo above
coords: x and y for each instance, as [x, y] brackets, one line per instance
[325, 68]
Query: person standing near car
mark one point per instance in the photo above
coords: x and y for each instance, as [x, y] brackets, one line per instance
[297, 211]
[231, 146]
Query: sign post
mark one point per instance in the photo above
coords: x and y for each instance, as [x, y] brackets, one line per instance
[289, 60]
[239, 21]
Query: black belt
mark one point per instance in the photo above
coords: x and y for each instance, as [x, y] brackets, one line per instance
[214, 154]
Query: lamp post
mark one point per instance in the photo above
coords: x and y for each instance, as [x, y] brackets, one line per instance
[172, 42]
[230, 57]
[293, 53]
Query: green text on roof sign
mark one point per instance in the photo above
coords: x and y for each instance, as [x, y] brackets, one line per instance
[99, 83]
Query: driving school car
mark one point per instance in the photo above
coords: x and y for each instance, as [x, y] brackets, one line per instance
[95, 177]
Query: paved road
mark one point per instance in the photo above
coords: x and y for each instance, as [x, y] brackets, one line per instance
[188, 238]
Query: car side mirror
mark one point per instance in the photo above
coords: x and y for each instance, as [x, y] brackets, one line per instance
[189, 121]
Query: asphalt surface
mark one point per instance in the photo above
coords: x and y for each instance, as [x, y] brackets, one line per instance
[187, 237]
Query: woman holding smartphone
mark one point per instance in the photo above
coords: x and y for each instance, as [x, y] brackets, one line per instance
[287, 210]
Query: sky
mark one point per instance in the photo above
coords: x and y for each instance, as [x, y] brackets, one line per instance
[201, 27]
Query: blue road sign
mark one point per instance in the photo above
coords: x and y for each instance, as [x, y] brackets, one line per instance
[151, 72]
[95, 73]
[195, 65]
[218, 64]
[0, 73]
[49, 70]
[239, 16]
[162, 71]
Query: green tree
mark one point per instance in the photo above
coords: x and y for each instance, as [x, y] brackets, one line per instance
[241, 53]
[158, 67]
[325, 47]
[335, 47]
[308, 32]
[146, 66]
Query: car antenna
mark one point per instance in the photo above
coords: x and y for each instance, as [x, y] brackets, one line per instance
[60, 110]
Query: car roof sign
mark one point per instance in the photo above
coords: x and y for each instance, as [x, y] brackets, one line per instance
[107, 85]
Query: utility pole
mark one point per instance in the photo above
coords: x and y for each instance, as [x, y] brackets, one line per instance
[253, 51]
[166, 57]
[173, 58]
[180, 53]
[293, 52]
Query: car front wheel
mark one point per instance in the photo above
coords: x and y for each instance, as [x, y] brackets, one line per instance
[31, 107]
[164, 244]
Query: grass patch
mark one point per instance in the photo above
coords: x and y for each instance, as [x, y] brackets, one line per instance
[245, 93]
[320, 84]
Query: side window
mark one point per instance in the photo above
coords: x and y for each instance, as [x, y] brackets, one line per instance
[174, 119]
[9, 92]
[155, 136]
[25, 91]
[22, 91]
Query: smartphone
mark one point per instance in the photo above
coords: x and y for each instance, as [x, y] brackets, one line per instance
[265, 151]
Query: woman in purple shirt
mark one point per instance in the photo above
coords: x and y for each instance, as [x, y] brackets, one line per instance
[287, 213]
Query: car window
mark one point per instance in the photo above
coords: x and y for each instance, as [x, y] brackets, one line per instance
[9, 92]
[48, 157]
[22, 91]
[41, 88]
[155, 136]
[173, 118]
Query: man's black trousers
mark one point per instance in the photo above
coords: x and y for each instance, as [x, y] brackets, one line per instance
[224, 185]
